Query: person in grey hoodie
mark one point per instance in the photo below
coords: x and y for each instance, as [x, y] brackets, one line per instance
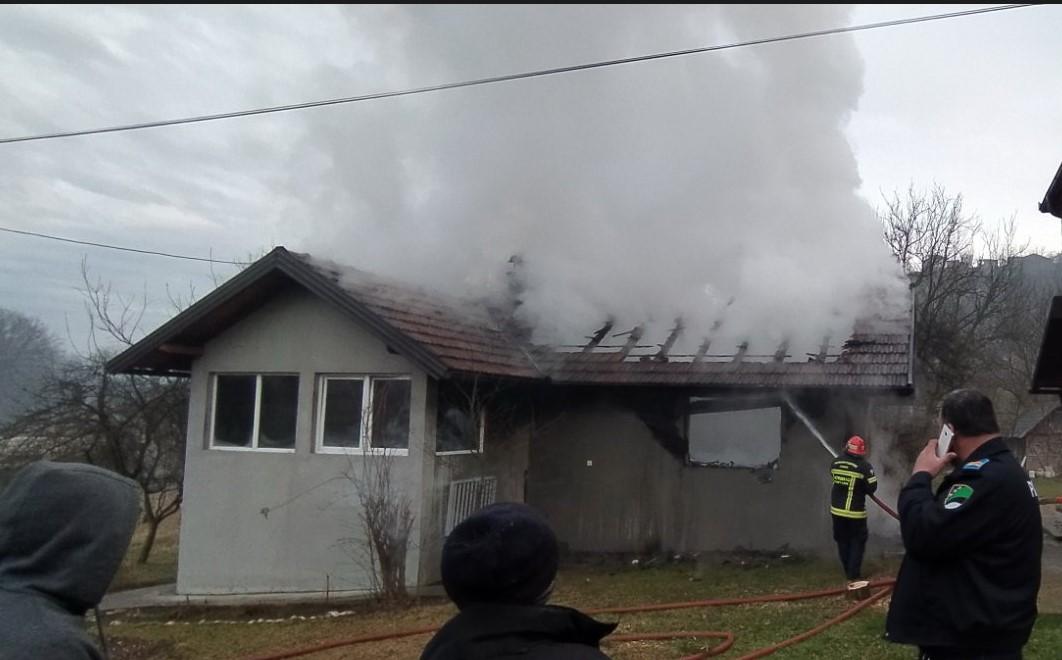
[64, 528]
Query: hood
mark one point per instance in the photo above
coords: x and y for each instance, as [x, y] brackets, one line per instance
[64, 529]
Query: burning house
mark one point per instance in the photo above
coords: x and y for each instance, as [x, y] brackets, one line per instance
[303, 373]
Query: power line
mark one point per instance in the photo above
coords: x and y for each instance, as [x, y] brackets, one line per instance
[124, 249]
[510, 77]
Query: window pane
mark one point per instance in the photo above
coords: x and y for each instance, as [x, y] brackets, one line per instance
[390, 414]
[234, 411]
[454, 430]
[342, 414]
[280, 400]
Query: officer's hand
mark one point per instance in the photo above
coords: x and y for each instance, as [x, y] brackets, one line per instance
[927, 461]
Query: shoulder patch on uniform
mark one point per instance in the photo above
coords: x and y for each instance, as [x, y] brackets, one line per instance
[976, 465]
[957, 496]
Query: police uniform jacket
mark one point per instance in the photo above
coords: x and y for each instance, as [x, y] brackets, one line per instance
[971, 572]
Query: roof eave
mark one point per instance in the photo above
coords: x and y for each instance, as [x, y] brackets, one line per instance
[1053, 197]
[281, 260]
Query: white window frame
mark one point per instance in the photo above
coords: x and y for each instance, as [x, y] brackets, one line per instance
[466, 452]
[256, 427]
[364, 447]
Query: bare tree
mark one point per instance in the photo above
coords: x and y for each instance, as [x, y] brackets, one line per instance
[1018, 347]
[386, 520]
[968, 291]
[28, 353]
[133, 425]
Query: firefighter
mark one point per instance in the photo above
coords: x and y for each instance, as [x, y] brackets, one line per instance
[853, 479]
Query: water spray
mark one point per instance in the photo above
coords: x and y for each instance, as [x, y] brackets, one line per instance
[825, 445]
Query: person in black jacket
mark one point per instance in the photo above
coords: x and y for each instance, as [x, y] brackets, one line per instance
[968, 583]
[498, 567]
[64, 529]
[853, 479]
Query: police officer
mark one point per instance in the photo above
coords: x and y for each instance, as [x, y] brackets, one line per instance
[853, 479]
[969, 579]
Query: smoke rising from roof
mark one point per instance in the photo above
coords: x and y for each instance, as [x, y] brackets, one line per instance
[708, 187]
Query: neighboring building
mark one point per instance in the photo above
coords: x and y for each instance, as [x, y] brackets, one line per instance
[303, 371]
[1042, 441]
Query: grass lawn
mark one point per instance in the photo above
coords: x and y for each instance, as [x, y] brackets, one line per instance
[150, 635]
[1048, 487]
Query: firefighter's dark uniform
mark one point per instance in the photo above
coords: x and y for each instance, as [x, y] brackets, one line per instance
[968, 583]
[853, 480]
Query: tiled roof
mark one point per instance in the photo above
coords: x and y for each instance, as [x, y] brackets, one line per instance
[461, 334]
[467, 338]
[448, 336]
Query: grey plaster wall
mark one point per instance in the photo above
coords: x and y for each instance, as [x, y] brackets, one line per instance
[505, 457]
[228, 545]
[607, 485]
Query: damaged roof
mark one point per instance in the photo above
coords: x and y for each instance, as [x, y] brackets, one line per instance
[865, 360]
[450, 337]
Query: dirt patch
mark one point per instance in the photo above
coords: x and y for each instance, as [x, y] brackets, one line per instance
[266, 611]
[129, 648]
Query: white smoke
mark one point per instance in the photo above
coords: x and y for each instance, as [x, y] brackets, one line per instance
[707, 187]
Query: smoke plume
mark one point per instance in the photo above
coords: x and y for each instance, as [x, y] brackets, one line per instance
[712, 187]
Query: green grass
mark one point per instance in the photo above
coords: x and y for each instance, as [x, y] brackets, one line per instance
[1048, 487]
[584, 586]
[161, 566]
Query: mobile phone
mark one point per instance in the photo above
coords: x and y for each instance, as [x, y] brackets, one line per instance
[944, 440]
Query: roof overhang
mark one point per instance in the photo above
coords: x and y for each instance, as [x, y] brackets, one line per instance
[171, 349]
[1053, 197]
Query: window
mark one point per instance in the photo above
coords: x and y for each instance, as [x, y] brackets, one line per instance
[390, 413]
[254, 412]
[363, 413]
[455, 430]
[734, 438]
[341, 414]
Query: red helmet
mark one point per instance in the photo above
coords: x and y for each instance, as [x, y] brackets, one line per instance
[856, 446]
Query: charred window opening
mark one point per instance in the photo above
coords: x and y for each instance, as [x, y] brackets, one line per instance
[459, 422]
[721, 436]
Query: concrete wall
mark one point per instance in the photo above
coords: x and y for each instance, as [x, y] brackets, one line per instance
[505, 457]
[227, 544]
[607, 485]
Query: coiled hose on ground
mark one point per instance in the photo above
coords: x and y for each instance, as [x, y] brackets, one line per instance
[882, 586]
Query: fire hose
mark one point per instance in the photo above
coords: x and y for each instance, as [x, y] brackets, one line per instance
[884, 586]
[728, 638]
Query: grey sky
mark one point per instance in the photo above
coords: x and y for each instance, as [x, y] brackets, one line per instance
[970, 103]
